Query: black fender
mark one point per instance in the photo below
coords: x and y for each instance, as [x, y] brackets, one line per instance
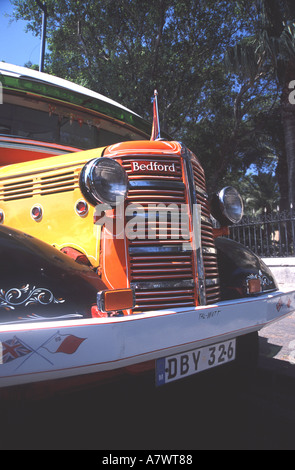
[39, 282]
[237, 264]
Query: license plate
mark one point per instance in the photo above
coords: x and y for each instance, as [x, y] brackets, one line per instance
[191, 362]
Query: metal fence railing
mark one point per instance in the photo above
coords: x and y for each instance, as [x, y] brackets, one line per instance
[268, 235]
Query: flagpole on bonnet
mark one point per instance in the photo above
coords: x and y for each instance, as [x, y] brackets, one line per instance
[156, 122]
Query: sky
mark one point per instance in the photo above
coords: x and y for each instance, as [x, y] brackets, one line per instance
[16, 46]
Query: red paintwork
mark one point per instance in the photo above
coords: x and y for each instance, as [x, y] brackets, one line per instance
[17, 150]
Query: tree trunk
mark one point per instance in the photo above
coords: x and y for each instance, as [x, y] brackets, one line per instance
[282, 176]
[289, 132]
[288, 123]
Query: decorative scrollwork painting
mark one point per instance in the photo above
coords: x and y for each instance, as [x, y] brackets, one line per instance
[24, 296]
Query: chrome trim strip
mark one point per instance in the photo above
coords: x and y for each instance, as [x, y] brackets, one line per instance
[212, 282]
[147, 285]
[205, 219]
[186, 154]
[201, 191]
[209, 251]
[162, 249]
[33, 148]
[156, 184]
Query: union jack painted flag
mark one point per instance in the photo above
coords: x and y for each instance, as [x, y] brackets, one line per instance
[156, 122]
[13, 349]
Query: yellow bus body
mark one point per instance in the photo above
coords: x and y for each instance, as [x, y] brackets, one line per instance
[52, 184]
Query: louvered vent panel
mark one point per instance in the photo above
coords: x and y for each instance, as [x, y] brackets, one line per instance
[51, 184]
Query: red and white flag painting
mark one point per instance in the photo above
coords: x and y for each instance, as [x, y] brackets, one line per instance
[66, 344]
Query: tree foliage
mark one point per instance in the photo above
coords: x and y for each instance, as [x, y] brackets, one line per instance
[267, 55]
[125, 49]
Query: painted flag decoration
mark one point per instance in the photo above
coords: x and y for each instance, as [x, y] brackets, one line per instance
[12, 349]
[66, 344]
[156, 123]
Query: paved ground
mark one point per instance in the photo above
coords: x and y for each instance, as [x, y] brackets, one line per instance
[278, 340]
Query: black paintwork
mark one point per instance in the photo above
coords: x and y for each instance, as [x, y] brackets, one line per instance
[37, 281]
[236, 263]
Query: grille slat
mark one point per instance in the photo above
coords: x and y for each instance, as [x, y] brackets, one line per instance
[162, 299]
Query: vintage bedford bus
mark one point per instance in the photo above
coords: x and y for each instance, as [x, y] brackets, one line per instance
[113, 256]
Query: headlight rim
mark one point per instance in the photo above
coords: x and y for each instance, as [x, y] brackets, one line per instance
[219, 207]
[87, 185]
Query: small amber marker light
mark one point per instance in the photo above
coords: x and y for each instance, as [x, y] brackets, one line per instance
[254, 286]
[114, 300]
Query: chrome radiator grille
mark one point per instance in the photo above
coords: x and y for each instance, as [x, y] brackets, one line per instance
[162, 265]
[212, 285]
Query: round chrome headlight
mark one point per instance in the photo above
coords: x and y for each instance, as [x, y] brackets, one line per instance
[103, 180]
[230, 208]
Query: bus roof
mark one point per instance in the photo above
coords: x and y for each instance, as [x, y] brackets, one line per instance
[22, 79]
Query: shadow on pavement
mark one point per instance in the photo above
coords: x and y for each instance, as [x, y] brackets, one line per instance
[221, 409]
